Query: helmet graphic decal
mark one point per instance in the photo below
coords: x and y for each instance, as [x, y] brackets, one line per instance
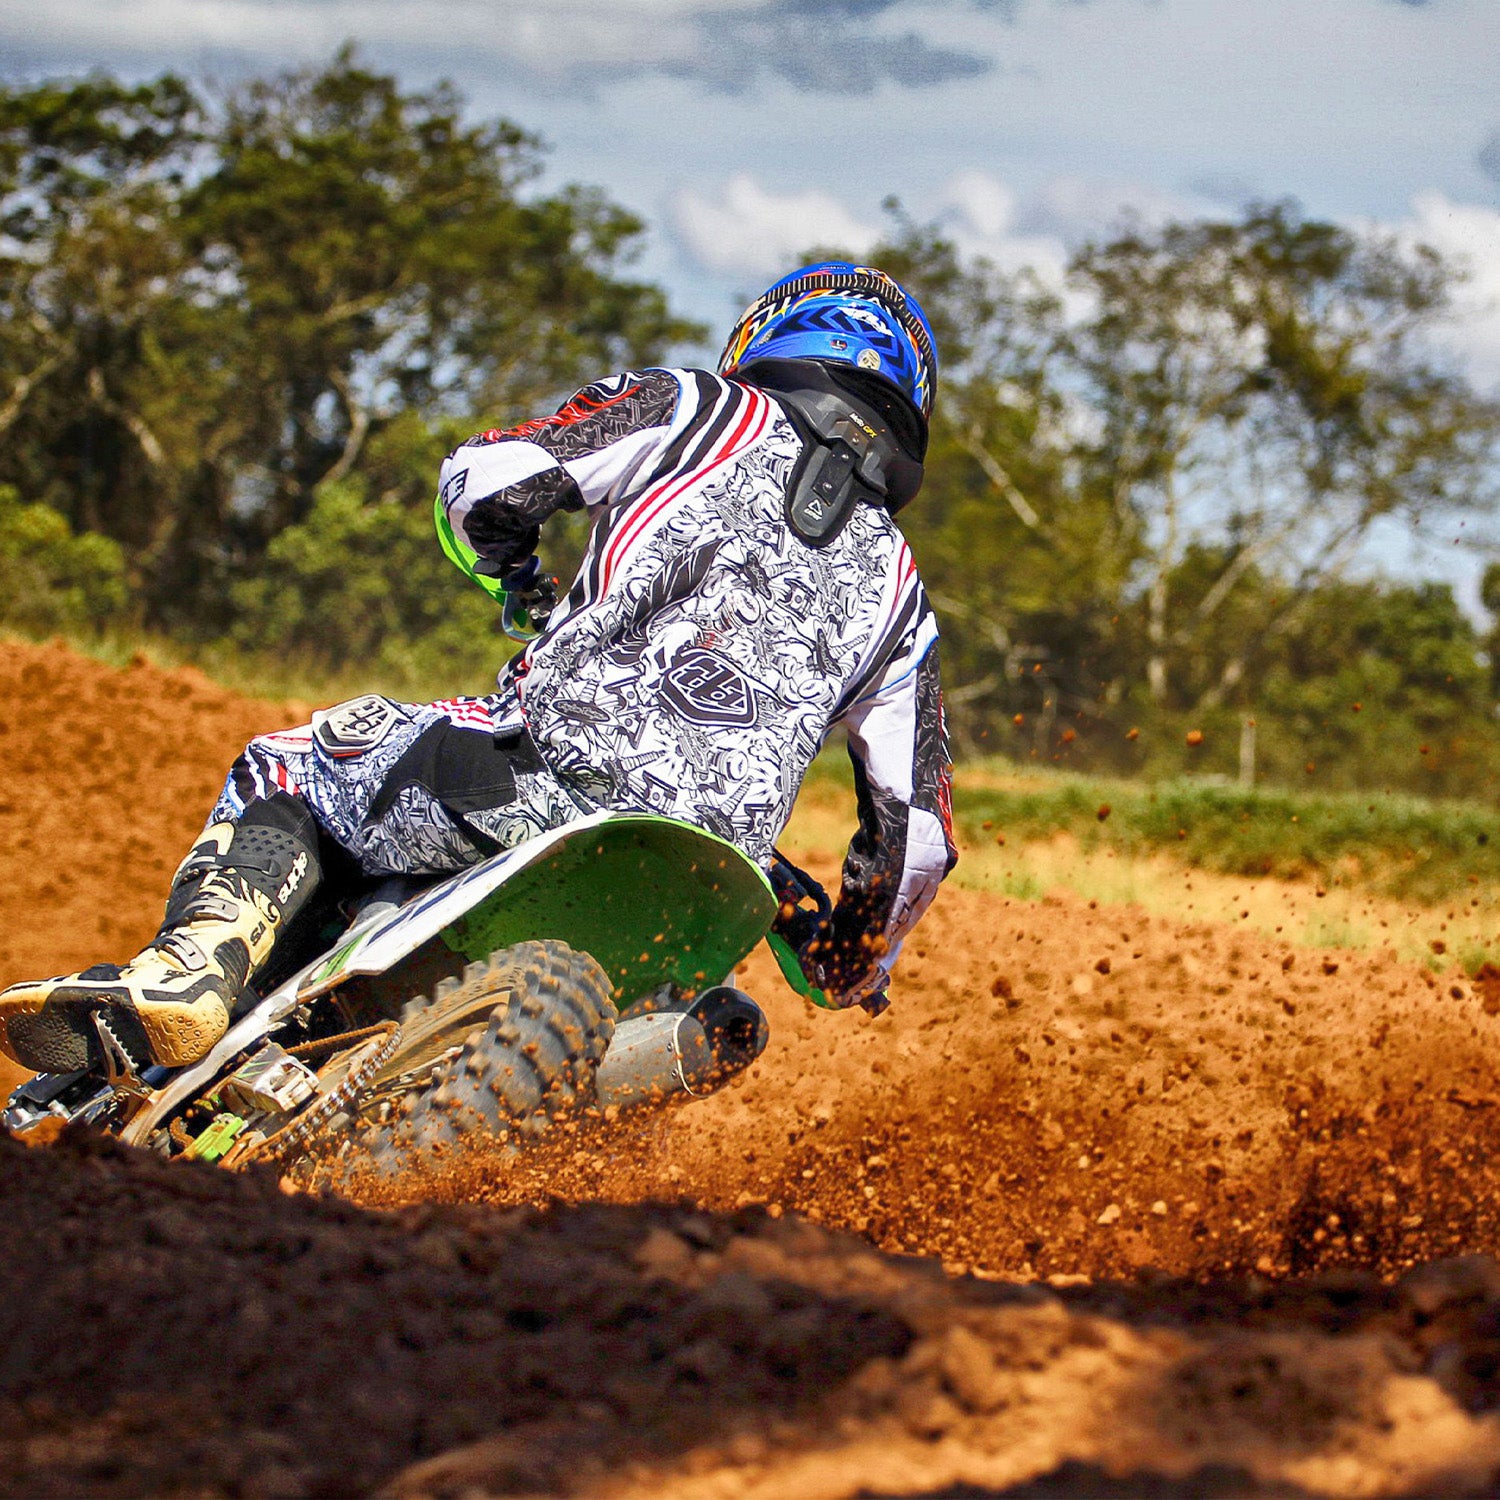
[847, 314]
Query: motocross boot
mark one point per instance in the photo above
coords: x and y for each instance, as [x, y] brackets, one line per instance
[231, 897]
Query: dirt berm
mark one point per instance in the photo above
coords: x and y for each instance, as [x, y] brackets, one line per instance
[1171, 1200]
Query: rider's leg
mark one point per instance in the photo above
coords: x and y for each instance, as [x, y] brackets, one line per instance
[410, 788]
[238, 888]
[401, 788]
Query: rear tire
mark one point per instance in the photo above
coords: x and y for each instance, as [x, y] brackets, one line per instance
[530, 1059]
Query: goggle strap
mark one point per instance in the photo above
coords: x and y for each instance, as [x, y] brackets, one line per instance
[881, 288]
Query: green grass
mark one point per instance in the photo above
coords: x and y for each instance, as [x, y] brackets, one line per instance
[1406, 847]
[1391, 844]
[1021, 885]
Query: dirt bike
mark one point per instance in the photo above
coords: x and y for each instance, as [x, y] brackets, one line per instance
[579, 969]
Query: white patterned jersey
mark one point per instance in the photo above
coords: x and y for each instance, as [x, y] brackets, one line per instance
[705, 650]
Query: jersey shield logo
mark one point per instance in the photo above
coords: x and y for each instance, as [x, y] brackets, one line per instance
[709, 690]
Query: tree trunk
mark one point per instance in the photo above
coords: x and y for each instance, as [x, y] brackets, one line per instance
[1156, 633]
[1157, 597]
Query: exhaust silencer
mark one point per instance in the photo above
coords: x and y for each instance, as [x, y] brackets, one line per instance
[688, 1052]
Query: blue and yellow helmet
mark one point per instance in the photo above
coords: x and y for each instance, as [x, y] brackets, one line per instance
[846, 314]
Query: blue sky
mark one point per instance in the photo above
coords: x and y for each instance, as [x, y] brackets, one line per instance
[744, 130]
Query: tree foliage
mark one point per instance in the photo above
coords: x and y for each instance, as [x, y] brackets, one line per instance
[52, 580]
[325, 594]
[1273, 371]
[1147, 505]
[208, 310]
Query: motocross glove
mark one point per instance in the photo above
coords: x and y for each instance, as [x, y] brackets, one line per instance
[846, 978]
[533, 590]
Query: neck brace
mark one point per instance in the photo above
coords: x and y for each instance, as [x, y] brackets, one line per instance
[852, 453]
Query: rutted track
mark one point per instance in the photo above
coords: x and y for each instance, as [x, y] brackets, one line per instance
[1057, 1092]
[1201, 1109]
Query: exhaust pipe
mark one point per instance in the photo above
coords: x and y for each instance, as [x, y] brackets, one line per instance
[689, 1052]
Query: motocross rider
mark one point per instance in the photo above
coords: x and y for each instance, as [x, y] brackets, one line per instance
[745, 588]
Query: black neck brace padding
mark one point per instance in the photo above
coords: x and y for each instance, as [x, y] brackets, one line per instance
[824, 395]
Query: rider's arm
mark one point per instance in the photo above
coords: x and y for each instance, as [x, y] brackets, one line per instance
[600, 447]
[903, 778]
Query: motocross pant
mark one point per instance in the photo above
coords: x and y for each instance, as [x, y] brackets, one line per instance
[409, 788]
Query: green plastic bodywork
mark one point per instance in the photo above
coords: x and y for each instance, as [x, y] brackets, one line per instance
[217, 1139]
[791, 971]
[654, 901]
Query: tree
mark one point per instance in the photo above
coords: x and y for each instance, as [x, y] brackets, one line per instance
[52, 580]
[388, 261]
[327, 595]
[1270, 381]
[107, 349]
[1489, 596]
[1380, 684]
[208, 311]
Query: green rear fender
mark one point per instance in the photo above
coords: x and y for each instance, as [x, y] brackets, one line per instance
[654, 900]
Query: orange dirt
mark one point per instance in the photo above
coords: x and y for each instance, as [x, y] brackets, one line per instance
[108, 775]
[1213, 1145]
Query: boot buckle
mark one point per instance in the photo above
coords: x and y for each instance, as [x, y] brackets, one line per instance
[183, 951]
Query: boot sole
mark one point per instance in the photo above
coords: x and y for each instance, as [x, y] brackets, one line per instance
[59, 1036]
[63, 1039]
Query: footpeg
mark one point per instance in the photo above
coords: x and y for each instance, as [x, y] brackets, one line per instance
[119, 1067]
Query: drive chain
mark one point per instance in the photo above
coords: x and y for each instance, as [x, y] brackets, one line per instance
[343, 1097]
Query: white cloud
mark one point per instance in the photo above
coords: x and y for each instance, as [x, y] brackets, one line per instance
[743, 229]
[1469, 234]
[979, 213]
[726, 45]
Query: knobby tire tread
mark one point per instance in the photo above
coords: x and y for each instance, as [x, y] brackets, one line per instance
[534, 1059]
